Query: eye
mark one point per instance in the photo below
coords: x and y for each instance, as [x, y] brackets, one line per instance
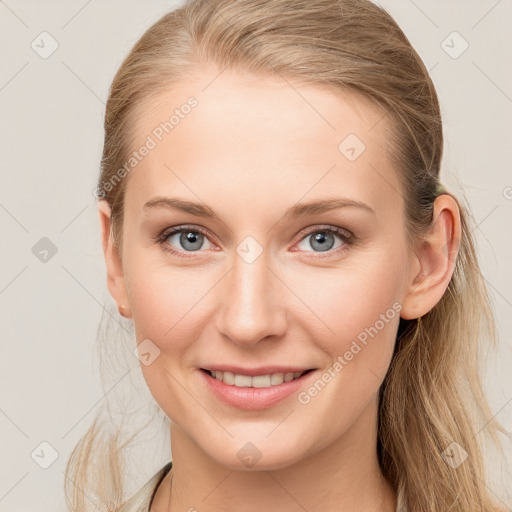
[323, 239]
[182, 239]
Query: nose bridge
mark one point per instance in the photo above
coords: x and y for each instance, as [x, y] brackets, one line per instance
[251, 309]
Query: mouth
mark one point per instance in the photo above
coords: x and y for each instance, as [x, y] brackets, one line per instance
[255, 381]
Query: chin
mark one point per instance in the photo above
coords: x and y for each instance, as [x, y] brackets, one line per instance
[265, 455]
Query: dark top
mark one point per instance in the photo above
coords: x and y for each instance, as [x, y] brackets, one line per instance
[141, 500]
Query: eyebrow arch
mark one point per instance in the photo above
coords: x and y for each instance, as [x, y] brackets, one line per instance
[297, 211]
[173, 203]
[324, 205]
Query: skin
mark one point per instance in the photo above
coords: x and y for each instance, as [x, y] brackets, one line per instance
[252, 148]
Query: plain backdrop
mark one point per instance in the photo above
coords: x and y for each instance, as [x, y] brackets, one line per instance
[52, 274]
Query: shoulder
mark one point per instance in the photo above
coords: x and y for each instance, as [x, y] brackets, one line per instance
[141, 500]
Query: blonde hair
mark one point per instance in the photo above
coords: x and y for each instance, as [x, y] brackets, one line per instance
[432, 395]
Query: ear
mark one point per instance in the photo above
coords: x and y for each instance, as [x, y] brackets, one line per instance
[434, 260]
[113, 262]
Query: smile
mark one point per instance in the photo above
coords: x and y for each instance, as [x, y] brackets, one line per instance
[255, 392]
[256, 381]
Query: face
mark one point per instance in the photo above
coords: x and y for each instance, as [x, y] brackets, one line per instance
[254, 282]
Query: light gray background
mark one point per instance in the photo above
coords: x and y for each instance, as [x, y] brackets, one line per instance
[51, 139]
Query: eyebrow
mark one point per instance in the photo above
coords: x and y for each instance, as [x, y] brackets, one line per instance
[297, 211]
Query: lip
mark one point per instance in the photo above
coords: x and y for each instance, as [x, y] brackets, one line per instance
[254, 399]
[261, 370]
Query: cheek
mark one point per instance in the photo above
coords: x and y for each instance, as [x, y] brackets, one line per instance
[361, 308]
[164, 301]
[165, 304]
[357, 308]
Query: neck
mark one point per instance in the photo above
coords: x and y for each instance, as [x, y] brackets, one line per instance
[345, 475]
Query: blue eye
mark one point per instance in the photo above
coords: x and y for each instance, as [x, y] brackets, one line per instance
[188, 239]
[324, 239]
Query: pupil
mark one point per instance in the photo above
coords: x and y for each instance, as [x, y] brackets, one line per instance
[321, 239]
[190, 238]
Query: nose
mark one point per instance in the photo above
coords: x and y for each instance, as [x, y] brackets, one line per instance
[253, 303]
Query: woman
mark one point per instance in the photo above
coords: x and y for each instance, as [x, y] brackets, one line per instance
[305, 295]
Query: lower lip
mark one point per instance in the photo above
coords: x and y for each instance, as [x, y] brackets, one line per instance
[254, 398]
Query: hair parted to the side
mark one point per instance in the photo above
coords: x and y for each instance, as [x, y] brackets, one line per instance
[432, 395]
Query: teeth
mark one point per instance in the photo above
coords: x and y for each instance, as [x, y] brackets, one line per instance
[243, 381]
[258, 381]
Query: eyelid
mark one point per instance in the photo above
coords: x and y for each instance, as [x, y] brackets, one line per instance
[167, 232]
[325, 227]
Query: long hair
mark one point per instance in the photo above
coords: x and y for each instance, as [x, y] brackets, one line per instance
[432, 403]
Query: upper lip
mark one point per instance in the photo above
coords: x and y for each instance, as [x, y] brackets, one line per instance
[261, 370]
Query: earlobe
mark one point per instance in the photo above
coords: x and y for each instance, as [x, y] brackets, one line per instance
[113, 263]
[435, 260]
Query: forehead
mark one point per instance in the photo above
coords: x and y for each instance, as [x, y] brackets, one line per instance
[253, 140]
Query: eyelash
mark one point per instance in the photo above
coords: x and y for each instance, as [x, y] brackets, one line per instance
[347, 238]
